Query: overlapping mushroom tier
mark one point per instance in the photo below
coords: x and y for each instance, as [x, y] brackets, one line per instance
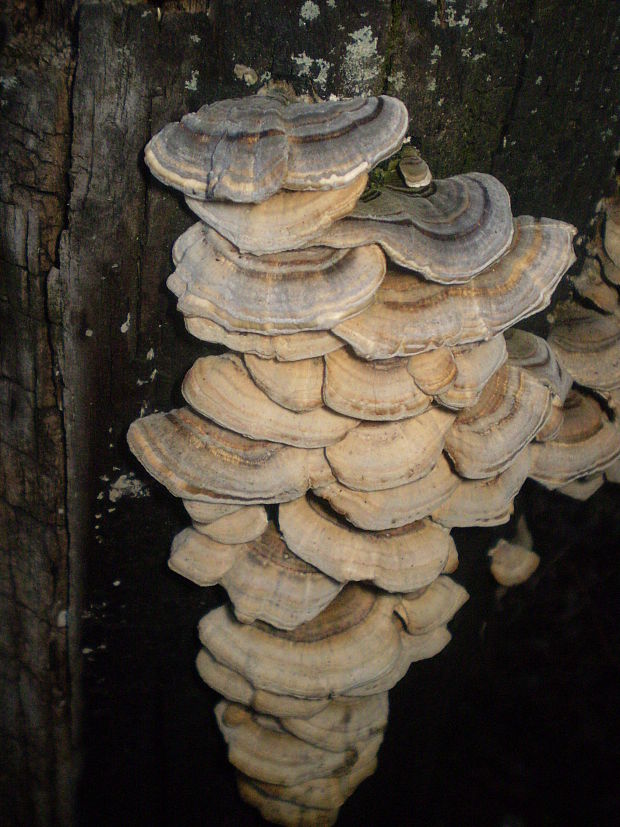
[371, 403]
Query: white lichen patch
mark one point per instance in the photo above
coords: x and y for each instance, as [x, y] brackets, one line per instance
[88, 332]
[8, 82]
[127, 486]
[150, 355]
[61, 619]
[308, 12]
[192, 84]
[195, 38]
[362, 64]
[126, 324]
[331, 4]
[245, 73]
[448, 17]
[435, 54]
[431, 85]
[314, 68]
[397, 80]
[538, 80]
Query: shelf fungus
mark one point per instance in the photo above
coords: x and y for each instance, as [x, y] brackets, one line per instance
[356, 646]
[197, 460]
[378, 455]
[475, 365]
[263, 578]
[534, 354]
[484, 502]
[285, 221]
[586, 443]
[449, 235]
[411, 315]
[377, 403]
[297, 385]
[588, 343]
[393, 507]
[284, 347]
[375, 391]
[513, 562]
[313, 289]
[241, 526]
[220, 388]
[397, 560]
[513, 407]
[248, 149]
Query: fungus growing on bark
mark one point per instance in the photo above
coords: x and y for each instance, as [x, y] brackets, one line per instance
[386, 394]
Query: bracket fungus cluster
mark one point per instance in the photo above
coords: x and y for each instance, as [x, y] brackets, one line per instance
[585, 336]
[369, 398]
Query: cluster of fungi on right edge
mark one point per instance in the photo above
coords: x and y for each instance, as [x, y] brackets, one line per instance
[365, 406]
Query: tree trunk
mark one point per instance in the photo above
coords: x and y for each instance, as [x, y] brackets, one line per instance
[525, 89]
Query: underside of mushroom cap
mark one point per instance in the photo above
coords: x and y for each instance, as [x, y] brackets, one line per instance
[409, 315]
[450, 235]
[196, 459]
[249, 148]
[397, 560]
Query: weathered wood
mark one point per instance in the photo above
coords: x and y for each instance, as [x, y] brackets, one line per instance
[38, 635]
[90, 337]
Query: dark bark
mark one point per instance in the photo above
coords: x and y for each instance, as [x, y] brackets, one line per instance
[91, 340]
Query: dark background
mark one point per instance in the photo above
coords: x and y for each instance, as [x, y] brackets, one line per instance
[514, 722]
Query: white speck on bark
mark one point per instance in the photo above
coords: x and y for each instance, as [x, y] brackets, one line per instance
[125, 325]
[192, 84]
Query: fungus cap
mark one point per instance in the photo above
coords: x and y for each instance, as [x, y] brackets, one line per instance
[285, 221]
[409, 315]
[249, 148]
[297, 385]
[285, 347]
[220, 388]
[450, 235]
[263, 578]
[196, 459]
[392, 507]
[310, 289]
[513, 407]
[378, 455]
[376, 391]
[397, 560]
